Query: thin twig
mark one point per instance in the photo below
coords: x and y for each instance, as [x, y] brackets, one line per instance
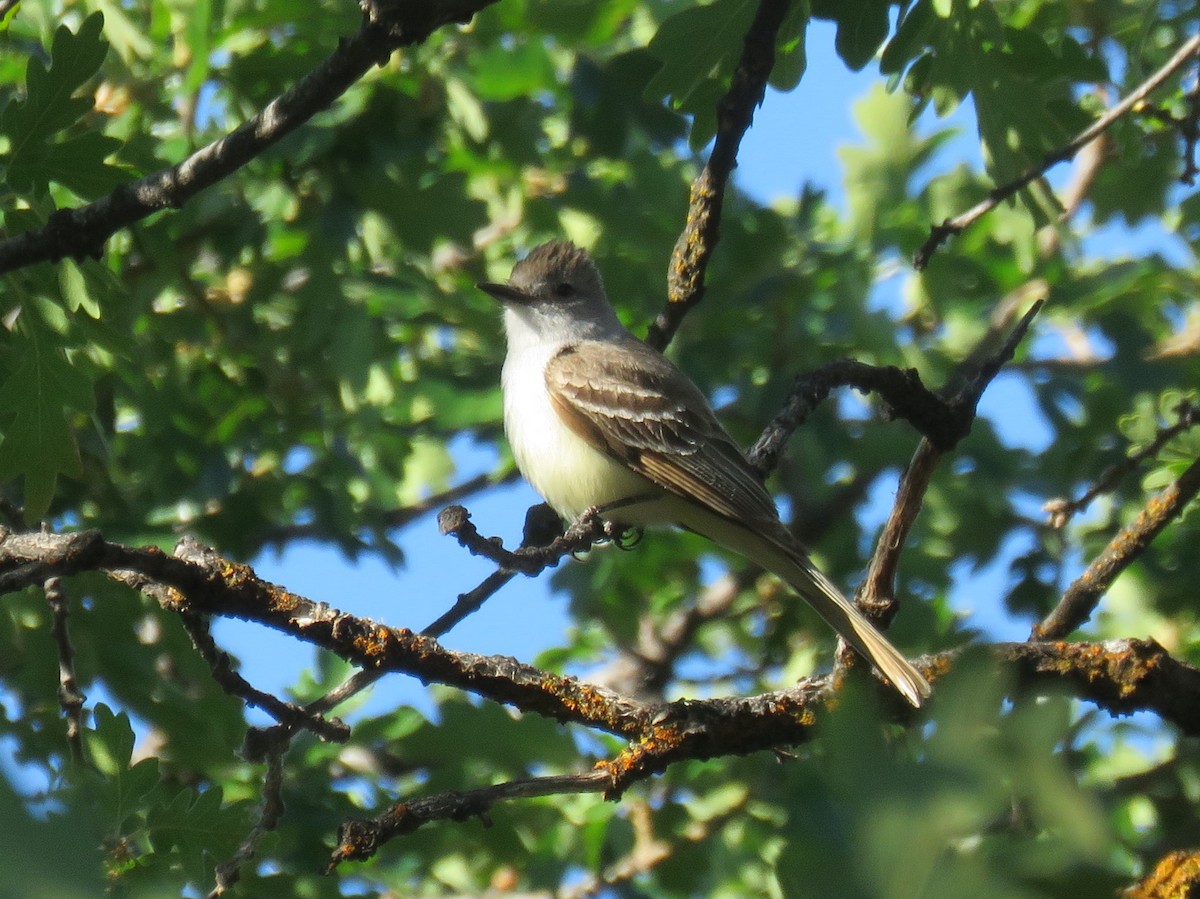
[877, 595]
[70, 697]
[953, 226]
[1061, 510]
[879, 587]
[542, 526]
[944, 422]
[735, 112]
[360, 839]
[906, 397]
[1082, 597]
[83, 231]
[270, 810]
[221, 666]
[584, 533]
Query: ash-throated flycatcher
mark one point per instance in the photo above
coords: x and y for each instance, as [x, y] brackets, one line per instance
[599, 420]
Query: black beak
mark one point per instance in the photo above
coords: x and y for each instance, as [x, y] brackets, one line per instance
[503, 292]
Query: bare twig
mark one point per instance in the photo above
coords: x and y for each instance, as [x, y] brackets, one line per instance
[234, 684]
[1082, 597]
[82, 232]
[270, 810]
[262, 743]
[70, 697]
[953, 226]
[907, 397]
[542, 527]
[877, 595]
[990, 367]
[735, 112]
[879, 586]
[1061, 510]
[944, 422]
[359, 840]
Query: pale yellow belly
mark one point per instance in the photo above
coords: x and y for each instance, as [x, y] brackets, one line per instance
[563, 467]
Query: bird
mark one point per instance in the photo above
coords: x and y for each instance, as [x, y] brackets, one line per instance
[602, 423]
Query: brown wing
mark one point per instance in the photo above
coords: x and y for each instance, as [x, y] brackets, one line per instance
[632, 403]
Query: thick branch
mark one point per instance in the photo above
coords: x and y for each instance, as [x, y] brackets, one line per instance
[1120, 676]
[196, 580]
[1176, 876]
[735, 112]
[82, 232]
[953, 226]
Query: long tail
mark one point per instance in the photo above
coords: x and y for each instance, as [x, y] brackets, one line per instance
[790, 563]
[820, 593]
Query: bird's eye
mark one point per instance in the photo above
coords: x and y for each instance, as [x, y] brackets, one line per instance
[564, 290]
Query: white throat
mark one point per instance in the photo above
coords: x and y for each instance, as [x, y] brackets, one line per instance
[568, 472]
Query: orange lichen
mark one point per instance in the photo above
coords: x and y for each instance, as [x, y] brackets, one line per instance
[1176, 876]
[374, 642]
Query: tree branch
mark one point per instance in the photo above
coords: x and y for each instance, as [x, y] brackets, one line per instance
[1082, 597]
[270, 810]
[735, 112]
[70, 697]
[584, 533]
[1120, 676]
[943, 422]
[360, 839]
[1061, 510]
[953, 226]
[82, 232]
[542, 527]
[221, 667]
[1177, 875]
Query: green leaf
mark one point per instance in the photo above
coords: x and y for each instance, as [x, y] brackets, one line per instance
[74, 289]
[77, 163]
[50, 104]
[197, 828]
[790, 57]
[696, 45]
[862, 27]
[110, 742]
[38, 442]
